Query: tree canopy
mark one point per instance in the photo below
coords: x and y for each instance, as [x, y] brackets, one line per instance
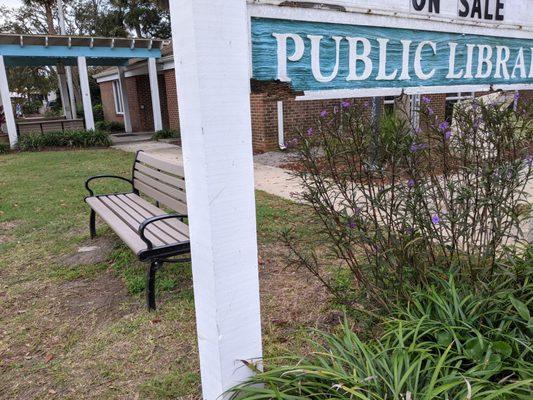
[116, 18]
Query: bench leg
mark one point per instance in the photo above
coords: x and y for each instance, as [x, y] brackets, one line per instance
[92, 224]
[150, 285]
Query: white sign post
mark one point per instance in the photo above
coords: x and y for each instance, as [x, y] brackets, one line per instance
[211, 50]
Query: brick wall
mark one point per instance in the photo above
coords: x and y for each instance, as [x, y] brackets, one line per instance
[438, 105]
[139, 101]
[108, 103]
[173, 114]
[264, 122]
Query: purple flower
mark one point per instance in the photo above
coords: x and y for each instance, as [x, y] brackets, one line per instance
[323, 113]
[529, 160]
[351, 224]
[411, 183]
[346, 104]
[443, 126]
[430, 111]
[517, 96]
[415, 147]
[357, 210]
[418, 130]
[310, 132]
[448, 135]
[435, 219]
[426, 100]
[294, 141]
[366, 104]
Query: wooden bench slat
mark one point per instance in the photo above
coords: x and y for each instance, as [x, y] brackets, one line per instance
[163, 230]
[131, 222]
[161, 186]
[170, 226]
[164, 236]
[121, 228]
[168, 201]
[156, 174]
[174, 223]
[160, 164]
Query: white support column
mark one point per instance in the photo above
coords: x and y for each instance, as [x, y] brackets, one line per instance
[72, 98]
[6, 102]
[85, 93]
[68, 70]
[125, 103]
[212, 54]
[63, 91]
[154, 90]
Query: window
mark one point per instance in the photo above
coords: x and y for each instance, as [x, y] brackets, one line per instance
[388, 104]
[454, 98]
[117, 95]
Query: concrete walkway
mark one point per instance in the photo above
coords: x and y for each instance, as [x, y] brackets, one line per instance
[268, 178]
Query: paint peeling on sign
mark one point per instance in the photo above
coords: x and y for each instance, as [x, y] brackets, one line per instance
[323, 56]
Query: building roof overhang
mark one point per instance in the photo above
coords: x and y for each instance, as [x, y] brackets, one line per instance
[37, 50]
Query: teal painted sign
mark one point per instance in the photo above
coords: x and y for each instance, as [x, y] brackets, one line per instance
[322, 56]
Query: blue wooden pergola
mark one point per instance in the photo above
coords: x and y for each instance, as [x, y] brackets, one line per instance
[80, 51]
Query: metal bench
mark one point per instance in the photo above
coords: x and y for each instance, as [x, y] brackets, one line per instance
[154, 235]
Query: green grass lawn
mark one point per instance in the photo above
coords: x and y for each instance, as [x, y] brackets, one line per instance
[82, 331]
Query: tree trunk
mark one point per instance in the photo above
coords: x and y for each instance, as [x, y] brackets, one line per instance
[50, 18]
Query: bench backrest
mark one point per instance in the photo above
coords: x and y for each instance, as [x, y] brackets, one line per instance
[161, 180]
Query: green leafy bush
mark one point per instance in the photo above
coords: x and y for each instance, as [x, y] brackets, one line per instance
[31, 107]
[81, 138]
[166, 134]
[4, 148]
[98, 112]
[110, 126]
[451, 342]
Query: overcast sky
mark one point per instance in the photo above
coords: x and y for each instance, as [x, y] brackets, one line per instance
[11, 3]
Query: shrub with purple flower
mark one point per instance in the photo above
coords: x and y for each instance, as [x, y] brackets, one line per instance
[463, 210]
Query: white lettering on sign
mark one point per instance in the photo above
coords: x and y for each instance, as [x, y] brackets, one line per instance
[282, 53]
[354, 57]
[360, 51]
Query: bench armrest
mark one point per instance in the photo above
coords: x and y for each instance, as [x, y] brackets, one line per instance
[149, 221]
[92, 178]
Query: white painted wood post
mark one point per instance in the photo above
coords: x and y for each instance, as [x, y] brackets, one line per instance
[85, 93]
[210, 40]
[63, 92]
[68, 70]
[125, 103]
[8, 107]
[72, 98]
[154, 90]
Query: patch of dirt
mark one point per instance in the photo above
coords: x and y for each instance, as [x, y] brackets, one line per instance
[100, 298]
[9, 225]
[291, 298]
[5, 229]
[92, 252]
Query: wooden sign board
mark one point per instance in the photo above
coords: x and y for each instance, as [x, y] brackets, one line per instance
[497, 12]
[327, 54]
